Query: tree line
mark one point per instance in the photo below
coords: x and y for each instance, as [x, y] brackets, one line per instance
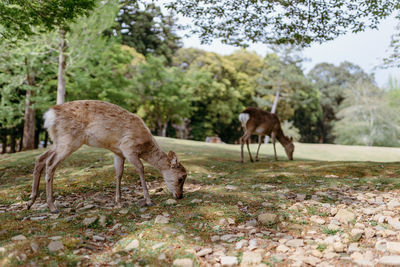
[131, 55]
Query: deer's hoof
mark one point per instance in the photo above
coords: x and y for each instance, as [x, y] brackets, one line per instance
[55, 211]
[144, 203]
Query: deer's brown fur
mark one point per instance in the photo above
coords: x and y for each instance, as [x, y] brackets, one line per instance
[260, 122]
[104, 125]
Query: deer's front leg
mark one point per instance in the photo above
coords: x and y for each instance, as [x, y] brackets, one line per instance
[135, 161]
[119, 169]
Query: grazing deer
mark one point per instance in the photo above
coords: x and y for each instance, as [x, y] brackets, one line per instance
[104, 125]
[260, 122]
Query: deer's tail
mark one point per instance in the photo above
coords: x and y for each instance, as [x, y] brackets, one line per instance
[243, 118]
[49, 122]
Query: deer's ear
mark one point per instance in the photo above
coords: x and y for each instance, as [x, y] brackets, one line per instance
[173, 159]
[291, 139]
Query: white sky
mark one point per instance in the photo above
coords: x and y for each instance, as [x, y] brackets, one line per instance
[365, 49]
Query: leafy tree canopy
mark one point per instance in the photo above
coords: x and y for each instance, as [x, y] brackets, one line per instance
[18, 17]
[237, 22]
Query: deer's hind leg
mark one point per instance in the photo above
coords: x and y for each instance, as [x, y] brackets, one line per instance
[60, 154]
[273, 135]
[259, 145]
[37, 172]
[119, 169]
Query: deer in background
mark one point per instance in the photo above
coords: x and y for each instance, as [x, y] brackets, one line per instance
[104, 125]
[259, 122]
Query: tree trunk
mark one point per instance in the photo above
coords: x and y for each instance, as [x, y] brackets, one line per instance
[4, 142]
[273, 110]
[29, 118]
[61, 69]
[21, 132]
[13, 142]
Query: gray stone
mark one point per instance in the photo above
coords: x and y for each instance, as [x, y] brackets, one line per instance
[55, 246]
[229, 238]
[34, 246]
[171, 201]
[313, 261]
[363, 262]
[98, 238]
[241, 244]
[229, 261]
[268, 218]
[204, 251]
[183, 262]
[251, 258]
[390, 260]
[88, 221]
[295, 243]
[18, 238]
[134, 244]
[356, 234]
[161, 219]
[102, 220]
[231, 187]
[344, 216]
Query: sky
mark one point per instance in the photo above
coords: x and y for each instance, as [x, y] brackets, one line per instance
[366, 49]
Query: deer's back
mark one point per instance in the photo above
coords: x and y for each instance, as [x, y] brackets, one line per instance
[99, 123]
[262, 122]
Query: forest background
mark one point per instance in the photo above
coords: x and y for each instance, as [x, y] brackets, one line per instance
[131, 54]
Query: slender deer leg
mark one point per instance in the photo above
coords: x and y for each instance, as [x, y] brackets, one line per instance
[241, 149]
[259, 145]
[119, 169]
[37, 172]
[137, 163]
[248, 149]
[273, 142]
[60, 154]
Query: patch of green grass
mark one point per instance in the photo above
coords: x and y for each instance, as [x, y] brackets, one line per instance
[321, 247]
[328, 231]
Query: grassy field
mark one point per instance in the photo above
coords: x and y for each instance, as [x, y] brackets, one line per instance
[84, 188]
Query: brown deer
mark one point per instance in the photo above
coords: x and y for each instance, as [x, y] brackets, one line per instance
[104, 125]
[259, 122]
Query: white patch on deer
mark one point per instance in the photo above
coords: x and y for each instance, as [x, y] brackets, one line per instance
[49, 118]
[260, 130]
[243, 118]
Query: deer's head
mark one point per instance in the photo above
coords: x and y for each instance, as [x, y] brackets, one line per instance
[175, 176]
[289, 148]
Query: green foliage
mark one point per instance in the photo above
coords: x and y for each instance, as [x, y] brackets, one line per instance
[161, 93]
[147, 30]
[366, 118]
[332, 82]
[19, 17]
[239, 22]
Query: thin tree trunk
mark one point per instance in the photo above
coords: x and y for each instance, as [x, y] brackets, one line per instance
[21, 132]
[13, 140]
[46, 139]
[4, 142]
[61, 69]
[273, 110]
[29, 118]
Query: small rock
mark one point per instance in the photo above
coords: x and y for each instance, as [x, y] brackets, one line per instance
[333, 227]
[395, 223]
[356, 234]
[369, 233]
[171, 201]
[183, 262]
[162, 257]
[356, 256]
[2, 249]
[313, 261]
[34, 246]
[393, 247]
[123, 211]
[353, 247]
[55, 246]
[134, 244]
[196, 201]
[215, 238]
[228, 238]
[102, 220]
[345, 216]
[18, 238]
[282, 249]
[242, 243]
[39, 218]
[317, 219]
[295, 243]
[393, 204]
[390, 260]
[204, 251]
[116, 226]
[363, 262]
[156, 246]
[98, 238]
[54, 238]
[338, 247]
[161, 219]
[229, 261]
[231, 187]
[251, 258]
[88, 221]
[381, 245]
[268, 218]
[252, 223]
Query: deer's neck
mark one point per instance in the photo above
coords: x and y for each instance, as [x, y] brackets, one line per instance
[156, 157]
[282, 138]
